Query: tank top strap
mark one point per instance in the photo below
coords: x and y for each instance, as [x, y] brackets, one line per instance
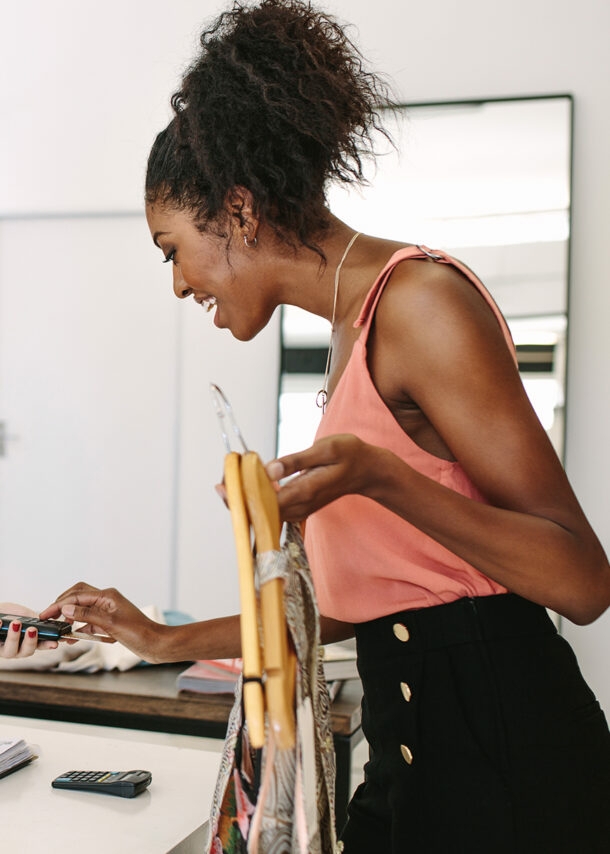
[421, 253]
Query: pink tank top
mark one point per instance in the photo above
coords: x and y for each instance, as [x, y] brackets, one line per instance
[366, 561]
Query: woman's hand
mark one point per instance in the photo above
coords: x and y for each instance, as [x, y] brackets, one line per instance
[12, 648]
[109, 612]
[332, 467]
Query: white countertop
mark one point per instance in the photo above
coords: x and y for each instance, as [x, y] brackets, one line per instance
[170, 816]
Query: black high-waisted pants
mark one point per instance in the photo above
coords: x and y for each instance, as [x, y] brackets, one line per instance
[484, 737]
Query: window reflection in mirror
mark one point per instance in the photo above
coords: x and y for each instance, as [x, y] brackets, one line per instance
[488, 182]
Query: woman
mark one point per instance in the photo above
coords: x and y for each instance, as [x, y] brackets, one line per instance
[431, 490]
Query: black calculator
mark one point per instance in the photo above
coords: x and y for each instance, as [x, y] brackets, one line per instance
[125, 784]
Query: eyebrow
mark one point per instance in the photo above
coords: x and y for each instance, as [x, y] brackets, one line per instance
[156, 235]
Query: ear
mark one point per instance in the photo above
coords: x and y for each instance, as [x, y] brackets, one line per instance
[241, 208]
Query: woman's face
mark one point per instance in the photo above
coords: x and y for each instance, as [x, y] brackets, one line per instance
[222, 274]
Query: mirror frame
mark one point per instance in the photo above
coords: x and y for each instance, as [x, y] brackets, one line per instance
[541, 356]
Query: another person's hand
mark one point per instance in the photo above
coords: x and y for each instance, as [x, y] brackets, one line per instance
[109, 612]
[12, 648]
[331, 467]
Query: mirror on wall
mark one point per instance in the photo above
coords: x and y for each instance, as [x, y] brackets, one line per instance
[488, 182]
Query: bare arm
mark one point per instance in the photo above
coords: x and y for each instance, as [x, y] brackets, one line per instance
[438, 344]
[109, 612]
[333, 631]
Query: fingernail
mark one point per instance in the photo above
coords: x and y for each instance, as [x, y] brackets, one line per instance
[32, 633]
[68, 611]
[15, 626]
[275, 470]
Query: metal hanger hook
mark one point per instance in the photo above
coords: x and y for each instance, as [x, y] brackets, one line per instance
[226, 419]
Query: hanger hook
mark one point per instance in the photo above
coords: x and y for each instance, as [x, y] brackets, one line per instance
[226, 417]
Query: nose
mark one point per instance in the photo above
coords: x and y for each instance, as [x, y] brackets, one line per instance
[181, 289]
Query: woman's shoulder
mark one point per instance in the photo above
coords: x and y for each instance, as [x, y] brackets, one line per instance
[414, 270]
[418, 285]
[432, 313]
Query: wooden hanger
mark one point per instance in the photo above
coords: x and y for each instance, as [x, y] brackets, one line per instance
[254, 704]
[254, 509]
[279, 659]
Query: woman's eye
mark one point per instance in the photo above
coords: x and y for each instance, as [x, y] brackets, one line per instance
[171, 256]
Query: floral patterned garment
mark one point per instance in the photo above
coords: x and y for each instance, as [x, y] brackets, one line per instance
[271, 801]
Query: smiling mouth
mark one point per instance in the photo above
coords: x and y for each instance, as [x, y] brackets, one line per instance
[208, 303]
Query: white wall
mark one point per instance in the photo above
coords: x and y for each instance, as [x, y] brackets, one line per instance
[84, 89]
[85, 85]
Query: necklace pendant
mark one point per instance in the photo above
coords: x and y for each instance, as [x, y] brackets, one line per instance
[321, 398]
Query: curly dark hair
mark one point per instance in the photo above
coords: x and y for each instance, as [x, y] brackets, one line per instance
[277, 101]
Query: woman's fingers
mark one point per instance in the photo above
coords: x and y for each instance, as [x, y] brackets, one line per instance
[10, 647]
[312, 478]
[18, 646]
[29, 643]
[276, 470]
[221, 490]
[92, 610]
[73, 594]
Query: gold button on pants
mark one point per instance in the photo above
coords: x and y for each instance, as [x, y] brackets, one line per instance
[406, 691]
[401, 632]
[406, 754]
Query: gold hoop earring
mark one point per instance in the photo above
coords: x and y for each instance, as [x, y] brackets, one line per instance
[251, 244]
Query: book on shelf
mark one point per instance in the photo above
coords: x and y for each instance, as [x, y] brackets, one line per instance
[14, 754]
[219, 675]
[212, 676]
[339, 662]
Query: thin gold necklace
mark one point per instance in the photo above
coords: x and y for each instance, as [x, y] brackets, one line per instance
[322, 395]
